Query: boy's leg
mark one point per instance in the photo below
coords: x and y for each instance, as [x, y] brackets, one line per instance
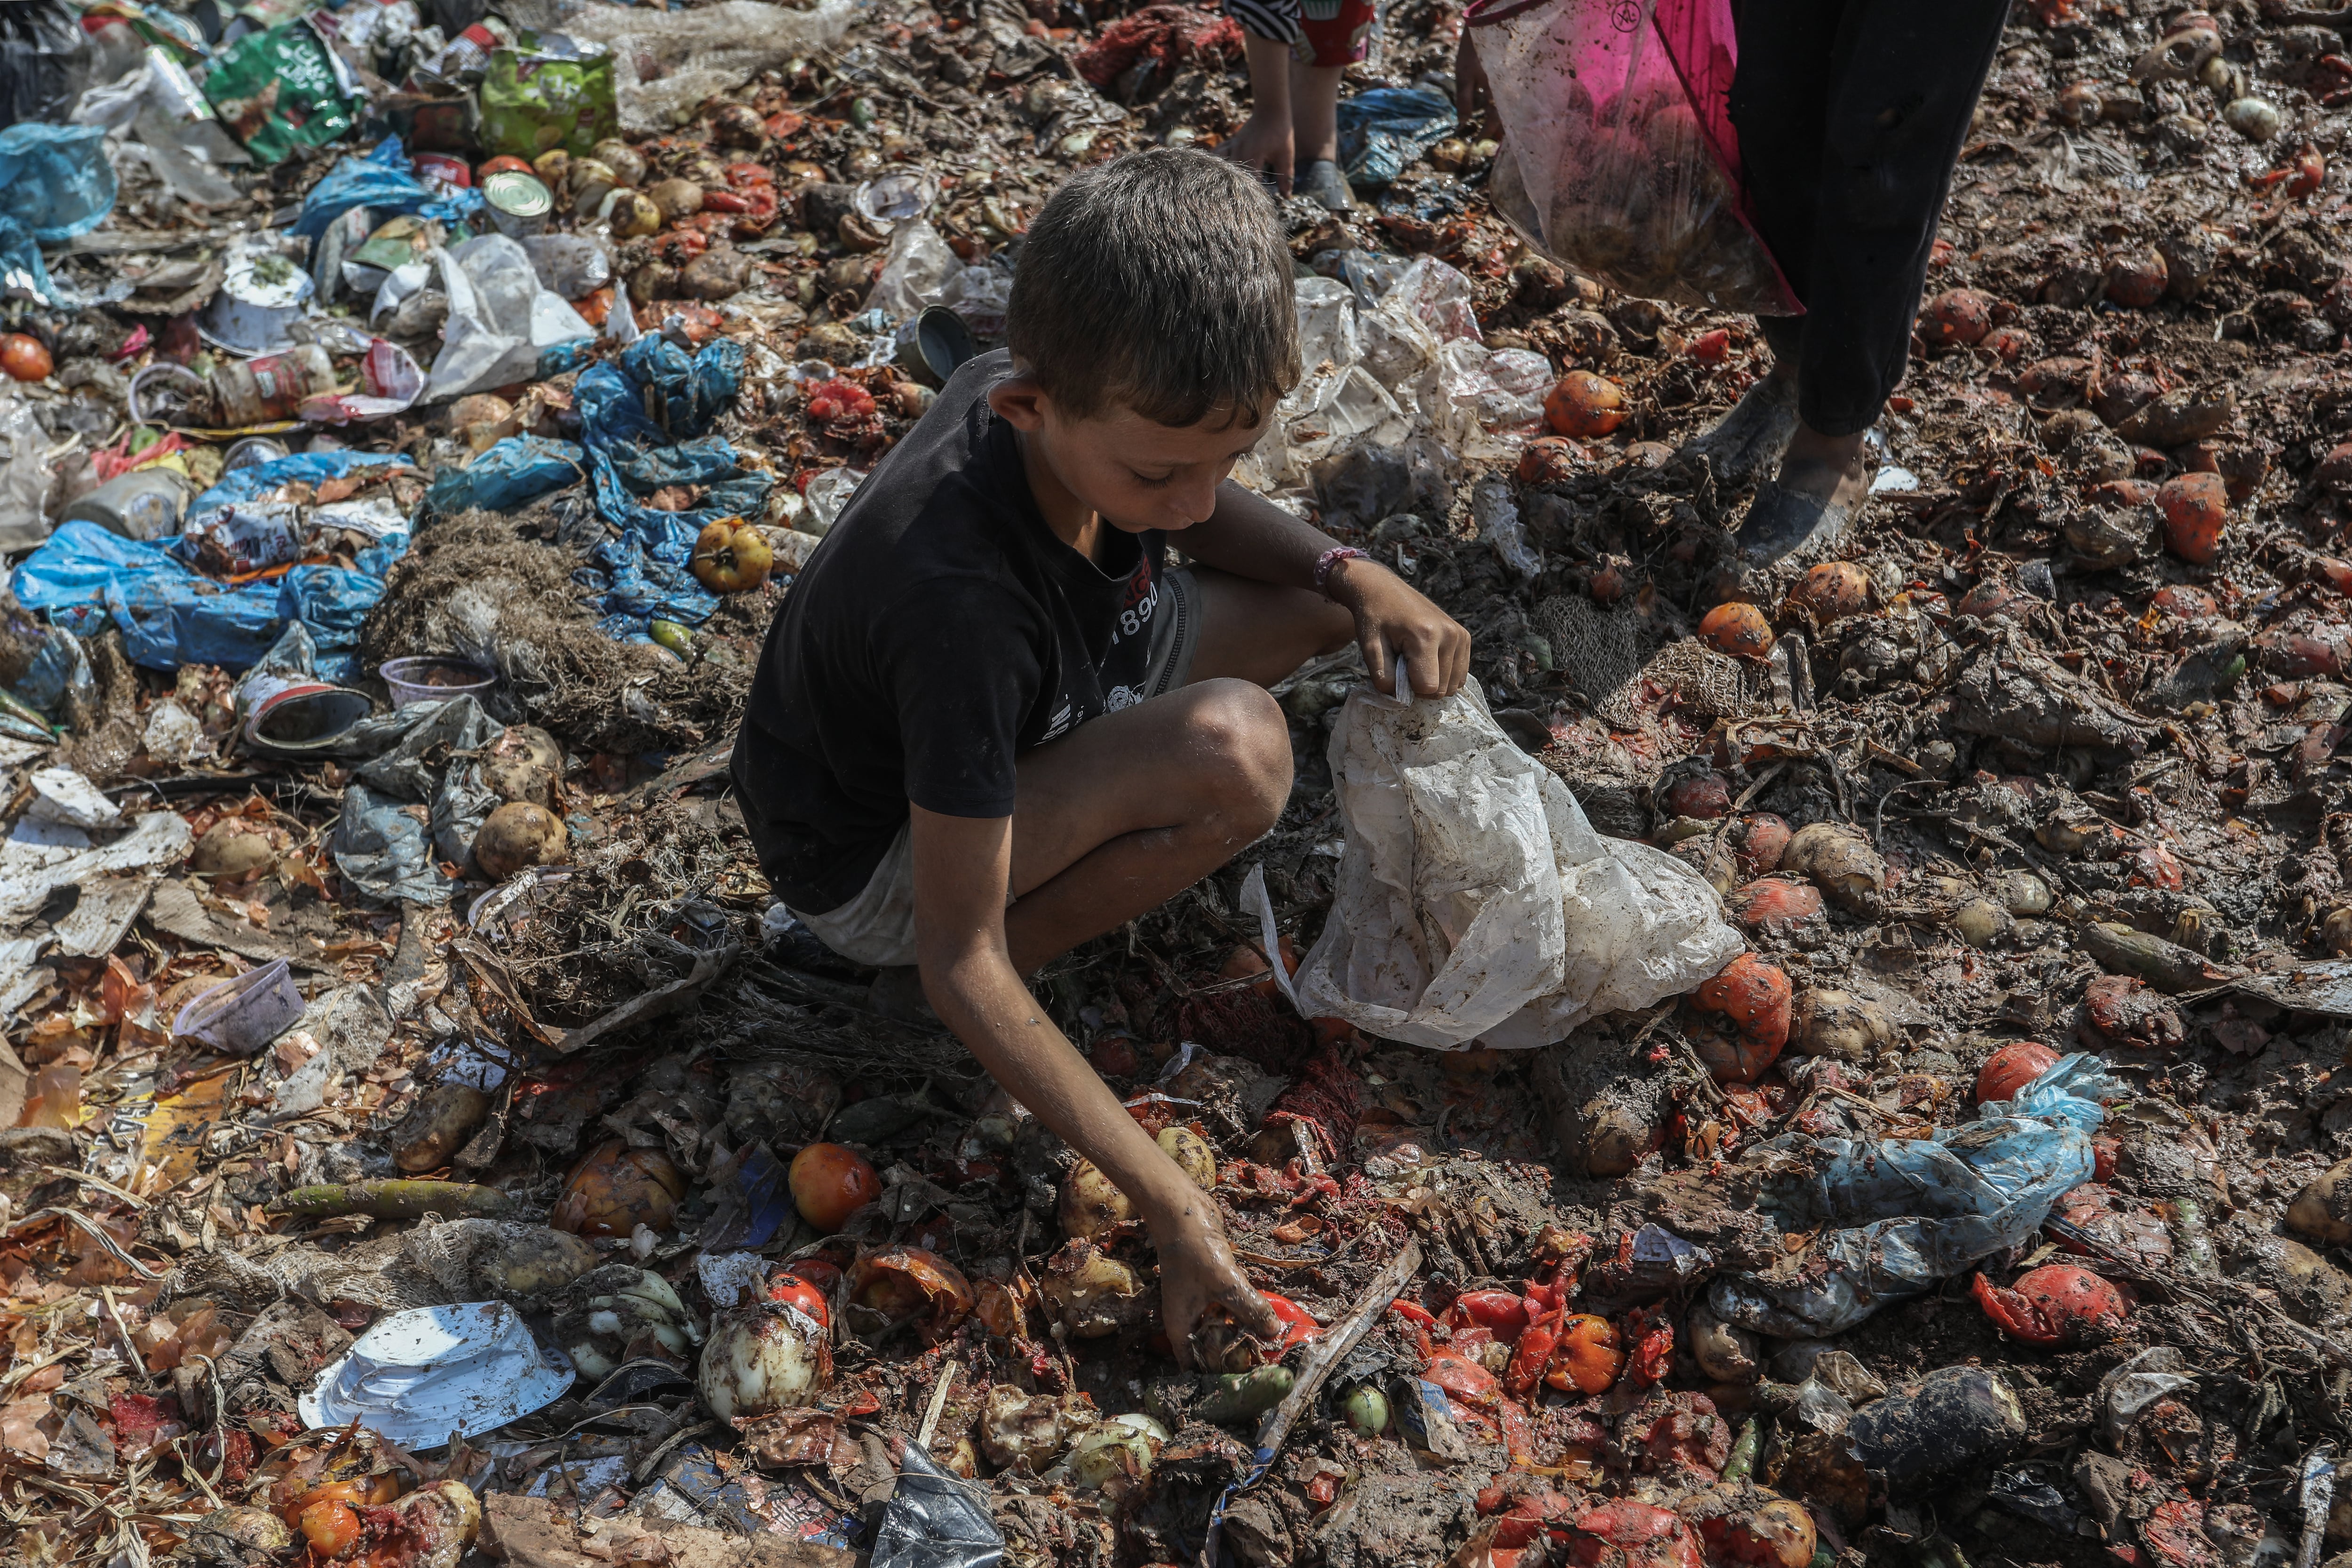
[1266, 140]
[1314, 113]
[1127, 811]
[1122, 813]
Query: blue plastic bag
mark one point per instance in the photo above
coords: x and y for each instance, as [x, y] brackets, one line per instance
[515, 470]
[631, 453]
[1898, 1216]
[379, 180]
[55, 180]
[1383, 133]
[83, 577]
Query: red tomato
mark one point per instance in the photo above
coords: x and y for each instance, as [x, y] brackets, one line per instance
[24, 358]
[830, 1183]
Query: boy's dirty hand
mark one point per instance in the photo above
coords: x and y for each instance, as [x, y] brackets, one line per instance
[1198, 1274]
[1265, 142]
[1392, 620]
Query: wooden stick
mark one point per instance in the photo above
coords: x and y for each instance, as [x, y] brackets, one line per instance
[1314, 1370]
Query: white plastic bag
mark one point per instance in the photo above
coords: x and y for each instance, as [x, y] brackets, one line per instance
[1475, 904]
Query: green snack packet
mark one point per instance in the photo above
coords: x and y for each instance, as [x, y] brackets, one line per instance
[283, 90]
[543, 94]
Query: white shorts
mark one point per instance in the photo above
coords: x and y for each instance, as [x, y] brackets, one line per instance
[877, 927]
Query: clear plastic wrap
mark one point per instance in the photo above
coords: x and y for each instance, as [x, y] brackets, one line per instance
[1619, 157]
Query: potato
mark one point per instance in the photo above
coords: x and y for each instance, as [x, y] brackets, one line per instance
[1841, 861]
[633, 215]
[1980, 922]
[438, 1126]
[532, 1260]
[1607, 1110]
[524, 765]
[1725, 1352]
[2323, 1211]
[1191, 1153]
[239, 846]
[516, 835]
[719, 274]
[676, 199]
[1090, 1204]
[1832, 1022]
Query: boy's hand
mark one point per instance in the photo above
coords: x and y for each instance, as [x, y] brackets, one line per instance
[1393, 620]
[1264, 143]
[1197, 1272]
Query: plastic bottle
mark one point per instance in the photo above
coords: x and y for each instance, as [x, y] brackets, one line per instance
[143, 504]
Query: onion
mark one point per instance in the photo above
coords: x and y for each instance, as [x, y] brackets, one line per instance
[1725, 1352]
[764, 1357]
[1840, 860]
[1827, 1022]
[1094, 1295]
[2136, 278]
[2255, 118]
[2022, 894]
[519, 833]
[1122, 1445]
[1017, 1428]
[633, 215]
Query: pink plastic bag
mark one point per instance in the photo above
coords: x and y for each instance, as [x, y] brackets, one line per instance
[1619, 157]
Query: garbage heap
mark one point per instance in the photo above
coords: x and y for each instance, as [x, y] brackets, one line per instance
[420, 1134]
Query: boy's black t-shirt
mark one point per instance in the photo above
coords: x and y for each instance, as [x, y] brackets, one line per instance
[938, 631]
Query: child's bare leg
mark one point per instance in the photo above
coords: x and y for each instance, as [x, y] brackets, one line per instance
[1126, 812]
[1265, 140]
[1314, 113]
[1129, 810]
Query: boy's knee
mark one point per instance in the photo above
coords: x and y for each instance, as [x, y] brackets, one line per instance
[1238, 727]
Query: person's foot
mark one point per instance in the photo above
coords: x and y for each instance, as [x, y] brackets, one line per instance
[1755, 434]
[1820, 490]
[897, 993]
[1325, 182]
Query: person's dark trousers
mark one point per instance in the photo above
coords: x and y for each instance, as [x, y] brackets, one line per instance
[1850, 115]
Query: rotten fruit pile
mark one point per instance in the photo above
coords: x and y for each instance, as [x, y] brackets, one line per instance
[1994, 1207]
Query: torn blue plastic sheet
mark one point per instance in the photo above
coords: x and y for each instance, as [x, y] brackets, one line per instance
[83, 577]
[380, 182]
[506, 475]
[642, 420]
[1893, 1216]
[55, 182]
[1384, 132]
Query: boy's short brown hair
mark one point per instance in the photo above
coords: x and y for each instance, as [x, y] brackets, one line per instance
[1160, 281]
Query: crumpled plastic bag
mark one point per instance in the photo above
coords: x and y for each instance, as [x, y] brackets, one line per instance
[1475, 904]
[380, 181]
[1622, 160]
[642, 421]
[510, 472]
[1383, 132]
[547, 93]
[501, 323]
[1917, 1211]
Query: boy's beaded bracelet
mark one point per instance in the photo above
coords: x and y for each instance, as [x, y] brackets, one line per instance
[1329, 559]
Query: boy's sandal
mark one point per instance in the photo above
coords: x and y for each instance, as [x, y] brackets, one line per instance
[1781, 521]
[1324, 180]
[1753, 436]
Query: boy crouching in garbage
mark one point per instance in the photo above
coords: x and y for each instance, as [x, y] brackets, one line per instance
[992, 720]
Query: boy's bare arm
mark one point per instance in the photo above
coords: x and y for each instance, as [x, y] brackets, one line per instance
[1249, 536]
[962, 870]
